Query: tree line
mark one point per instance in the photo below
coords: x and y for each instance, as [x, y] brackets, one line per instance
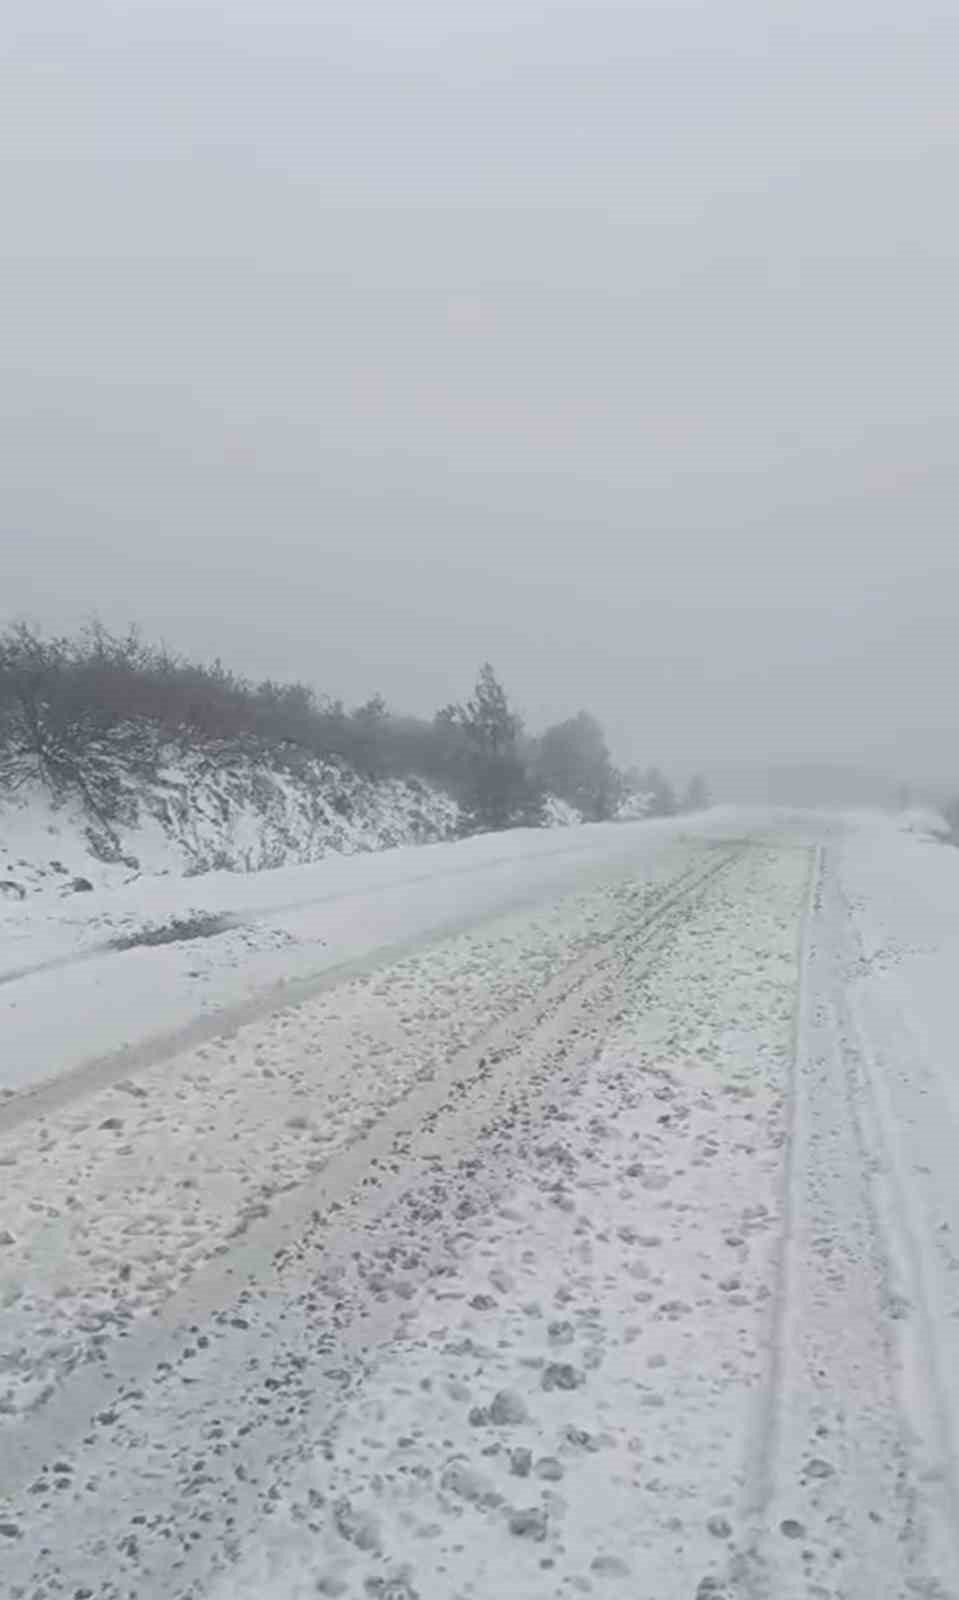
[75, 708]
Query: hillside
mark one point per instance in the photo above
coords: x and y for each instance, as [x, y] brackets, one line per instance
[119, 761]
[206, 809]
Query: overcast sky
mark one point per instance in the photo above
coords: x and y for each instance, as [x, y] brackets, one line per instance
[615, 342]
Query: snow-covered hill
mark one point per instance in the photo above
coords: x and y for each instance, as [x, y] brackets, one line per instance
[212, 810]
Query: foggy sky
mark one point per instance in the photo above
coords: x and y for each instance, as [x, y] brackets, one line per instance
[615, 342]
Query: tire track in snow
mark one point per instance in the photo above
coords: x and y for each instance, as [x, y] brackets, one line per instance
[835, 1493]
[249, 916]
[100, 1071]
[378, 1167]
[648, 1445]
[912, 1228]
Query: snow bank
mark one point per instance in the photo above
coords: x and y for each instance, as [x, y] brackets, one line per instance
[208, 811]
[924, 820]
[635, 807]
[560, 814]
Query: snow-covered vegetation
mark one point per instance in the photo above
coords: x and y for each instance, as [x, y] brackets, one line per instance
[212, 809]
[119, 759]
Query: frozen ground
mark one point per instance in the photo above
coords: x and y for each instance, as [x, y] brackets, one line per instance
[604, 1243]
[68, 996]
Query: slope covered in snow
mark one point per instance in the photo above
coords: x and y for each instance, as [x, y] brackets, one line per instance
[213, 809]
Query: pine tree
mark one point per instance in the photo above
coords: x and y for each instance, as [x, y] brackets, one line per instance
[572, 761]
[697, 797]
[497, 790]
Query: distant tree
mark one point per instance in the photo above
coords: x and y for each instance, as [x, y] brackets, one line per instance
[572, 760]
[483, 741]
[661, 792]
[697, 796]
[631, 780]
[367, 726]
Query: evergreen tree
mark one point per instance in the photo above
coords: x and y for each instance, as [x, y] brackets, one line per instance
[572, 761]
[662, 792]
[697, 797]
[496, 788]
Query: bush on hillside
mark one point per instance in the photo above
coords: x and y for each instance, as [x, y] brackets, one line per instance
[97, 714]
[572, 760]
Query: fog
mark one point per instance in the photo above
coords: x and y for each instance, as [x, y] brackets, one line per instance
[615, 343]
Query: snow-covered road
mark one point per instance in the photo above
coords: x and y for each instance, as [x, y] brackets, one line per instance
[70, 999]
[584, 1220]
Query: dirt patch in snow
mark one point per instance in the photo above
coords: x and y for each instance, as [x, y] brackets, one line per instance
[203, 925]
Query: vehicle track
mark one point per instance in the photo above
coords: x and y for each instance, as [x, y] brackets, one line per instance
[49, 1095]
[249, 916]
[509, 1071]
[837, 1499]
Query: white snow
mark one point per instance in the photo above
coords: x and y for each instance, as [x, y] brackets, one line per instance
[569, 1404]
[208, 810]
[923, 820]
[903, 900]
[67, 997]
[608, 1244]
[560, 814]
[159, 1172]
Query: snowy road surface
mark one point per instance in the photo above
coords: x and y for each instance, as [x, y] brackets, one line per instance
[594, 1230]
[67, 997]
